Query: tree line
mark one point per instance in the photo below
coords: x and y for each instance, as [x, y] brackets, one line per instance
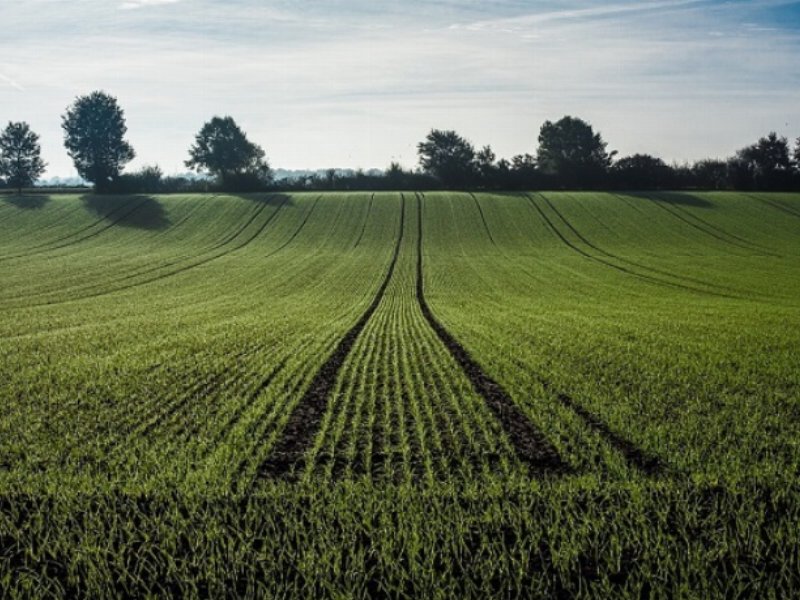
[570, 155]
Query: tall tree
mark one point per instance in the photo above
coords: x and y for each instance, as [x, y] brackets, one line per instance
[448, 157]
[765, 165]
[573, 153]
[20, 156]
[222, 149]
[94, 135]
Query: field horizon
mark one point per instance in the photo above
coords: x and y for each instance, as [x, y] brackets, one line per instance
[400, 394]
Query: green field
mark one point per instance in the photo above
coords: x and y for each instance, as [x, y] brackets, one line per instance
[400, 395]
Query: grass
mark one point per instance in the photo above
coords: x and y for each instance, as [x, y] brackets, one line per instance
[210, 395]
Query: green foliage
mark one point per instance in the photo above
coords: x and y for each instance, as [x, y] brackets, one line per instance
[571, 151]
[20, 156]
[222, 149]
[152, 350]
[449, 157]
[94, 135]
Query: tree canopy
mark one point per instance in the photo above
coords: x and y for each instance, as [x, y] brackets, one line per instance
[222, 149]
[641, 172]
[572, 153]
[94, 135]
[20, 156]
[767, 164]
[448, 157]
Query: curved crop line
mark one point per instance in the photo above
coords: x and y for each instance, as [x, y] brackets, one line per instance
[298, 434]
[366, 220]
[626, 271]
[109, 225]
[200, 263]
[628, 261]
[47, 247]
[297, 231]
[718, 229]
[529, 443]
[775, 205]
[483, 218]
[708, 231]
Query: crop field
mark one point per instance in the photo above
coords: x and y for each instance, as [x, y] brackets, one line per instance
[400, 395]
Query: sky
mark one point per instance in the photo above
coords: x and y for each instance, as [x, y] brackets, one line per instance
[358, 83]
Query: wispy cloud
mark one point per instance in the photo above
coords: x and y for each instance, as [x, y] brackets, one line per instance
[11, 82]
[359, 82]
[134, 4]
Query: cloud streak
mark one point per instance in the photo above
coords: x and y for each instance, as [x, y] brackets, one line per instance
[134, 4]
[11, 82]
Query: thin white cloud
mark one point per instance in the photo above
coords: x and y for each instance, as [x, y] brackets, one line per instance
[577, 14]
[320, 85]
[11, 82]
[134, 4]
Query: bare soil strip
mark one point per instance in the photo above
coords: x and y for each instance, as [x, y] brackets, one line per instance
[529, 443]
[286, 459]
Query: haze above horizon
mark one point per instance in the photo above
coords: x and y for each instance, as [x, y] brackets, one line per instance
[357, 83]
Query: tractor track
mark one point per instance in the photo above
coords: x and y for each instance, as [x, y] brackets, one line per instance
[230, 238]
[286, 458]
[366, 220]
[621, 269]
[610, 255]
[710, 230]
[529, 443]
[72, 242]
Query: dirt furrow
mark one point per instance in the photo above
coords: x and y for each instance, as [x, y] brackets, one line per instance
[304, 422]
[529, 443]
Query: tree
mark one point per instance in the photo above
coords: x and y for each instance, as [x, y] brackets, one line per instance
[448, 157]
[486, 167]
[765, 165]
[20, 156]
[94, 132]
[641, 172]
[710, 174]
[222, 149]
[797, 154]
[573, 153]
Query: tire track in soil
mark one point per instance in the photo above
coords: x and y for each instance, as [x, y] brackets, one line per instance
[483, 218]
[776, 205]
[366, 220]
[286, 458]
[709, 229]
[72, 242]
[628, 261]
[530, 444]
[626, 271]
[641, 460]
[194, 265]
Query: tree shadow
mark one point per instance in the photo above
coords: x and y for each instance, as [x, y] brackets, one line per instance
[677, 198]
[26, 201]
[135, 211]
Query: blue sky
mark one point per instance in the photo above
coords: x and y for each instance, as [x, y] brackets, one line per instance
[357, 83]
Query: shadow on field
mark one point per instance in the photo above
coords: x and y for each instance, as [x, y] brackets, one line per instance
[138, 211]
[268, 198]
[26, 201]
[675, 198]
